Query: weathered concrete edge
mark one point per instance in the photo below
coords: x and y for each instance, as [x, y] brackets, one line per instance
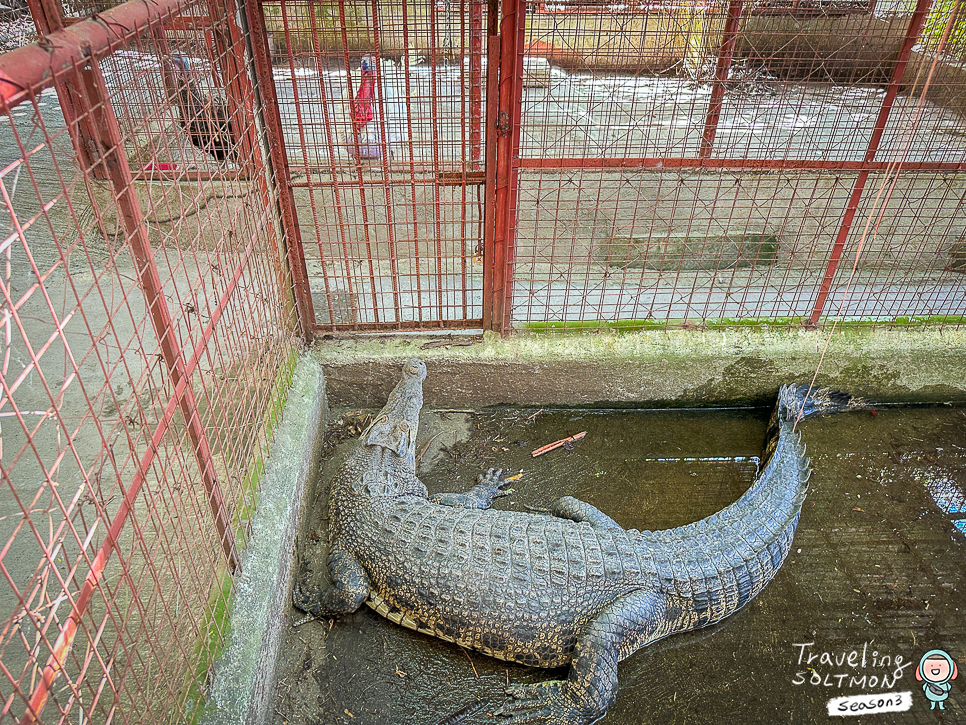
[738, 366]
[244, 683]
[302, 433]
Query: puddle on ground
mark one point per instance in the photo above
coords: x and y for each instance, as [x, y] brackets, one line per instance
[877, 567]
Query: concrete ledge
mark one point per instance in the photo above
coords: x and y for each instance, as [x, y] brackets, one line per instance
[244, 684]
[655, 368]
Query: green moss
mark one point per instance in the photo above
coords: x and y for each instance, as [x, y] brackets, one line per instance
[213, 634]
[245, 505]
[578, 326]
[211, 642]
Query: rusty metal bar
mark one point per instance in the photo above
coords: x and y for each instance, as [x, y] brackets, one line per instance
[292, 250]
[434, 56]
[331, 142]
[507, 127]
[515, 91]
[357, 149]
[489, 190]
[725, 54]
[476, 84]
[263, 162]
[48, 16]
[386, 153]
[912, 34]
[664, 164]
[230, 58]
[36, 66]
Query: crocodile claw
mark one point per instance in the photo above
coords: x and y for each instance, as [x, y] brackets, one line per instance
[305, 600]
[548, 702]
[493, 477]
[487, 488]
[494, 480]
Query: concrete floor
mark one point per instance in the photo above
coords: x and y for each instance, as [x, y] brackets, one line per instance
[878, 567]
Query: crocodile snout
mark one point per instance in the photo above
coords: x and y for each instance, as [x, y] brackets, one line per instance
[415, 368]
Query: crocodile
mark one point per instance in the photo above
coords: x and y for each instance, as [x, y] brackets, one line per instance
[568, 588]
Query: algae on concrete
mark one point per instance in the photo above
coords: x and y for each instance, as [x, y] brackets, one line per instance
[660, 368]
[244, 682]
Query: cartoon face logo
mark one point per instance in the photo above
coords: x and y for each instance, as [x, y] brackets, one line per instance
[936, 669]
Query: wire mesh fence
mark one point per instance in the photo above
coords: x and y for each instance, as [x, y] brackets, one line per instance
[381, 106]
[739, 162]
[734, 247]
[145, 333]
[665, 164]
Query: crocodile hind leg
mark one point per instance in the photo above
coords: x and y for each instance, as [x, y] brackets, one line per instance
[623, 627]
[574, 509]
[480, 496]
[349, 589]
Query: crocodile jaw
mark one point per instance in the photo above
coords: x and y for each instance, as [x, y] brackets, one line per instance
[397, 423]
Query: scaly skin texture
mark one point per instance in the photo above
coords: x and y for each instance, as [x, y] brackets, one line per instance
[572, 588]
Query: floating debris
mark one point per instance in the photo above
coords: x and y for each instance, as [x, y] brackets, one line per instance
[557, 444]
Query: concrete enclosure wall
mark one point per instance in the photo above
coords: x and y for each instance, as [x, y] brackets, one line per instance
[668, 368]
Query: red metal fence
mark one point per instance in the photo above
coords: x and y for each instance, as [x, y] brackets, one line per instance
[739, 162]
[146, 331]
[653, 164]
[380, 106]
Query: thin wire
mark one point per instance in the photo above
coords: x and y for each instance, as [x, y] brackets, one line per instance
[876, 211]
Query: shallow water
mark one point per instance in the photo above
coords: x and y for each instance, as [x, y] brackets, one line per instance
[877, 567]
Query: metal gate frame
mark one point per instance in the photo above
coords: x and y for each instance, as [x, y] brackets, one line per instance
[509, 163]
[481, 128]
[506, 36]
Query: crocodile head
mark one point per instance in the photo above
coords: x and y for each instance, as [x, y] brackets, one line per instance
[395, 426]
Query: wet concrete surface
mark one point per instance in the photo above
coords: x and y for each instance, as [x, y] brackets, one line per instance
[877, 568]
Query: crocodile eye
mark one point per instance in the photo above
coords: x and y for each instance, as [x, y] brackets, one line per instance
[403, 426]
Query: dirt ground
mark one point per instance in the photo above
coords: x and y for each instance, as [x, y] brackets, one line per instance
[877, 568]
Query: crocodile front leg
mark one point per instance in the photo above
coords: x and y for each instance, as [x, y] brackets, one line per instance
[574, 509]
[349, 589]
[626, 625]
[480, 496]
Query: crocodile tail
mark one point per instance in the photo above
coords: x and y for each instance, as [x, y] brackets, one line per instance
[803, 401]
[797, 402]
[727, 558]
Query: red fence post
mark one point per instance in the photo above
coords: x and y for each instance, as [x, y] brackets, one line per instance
[489, 188]
[476, 84]
[230, 45]
[729, 36]
[505, 131]
[912, 34]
